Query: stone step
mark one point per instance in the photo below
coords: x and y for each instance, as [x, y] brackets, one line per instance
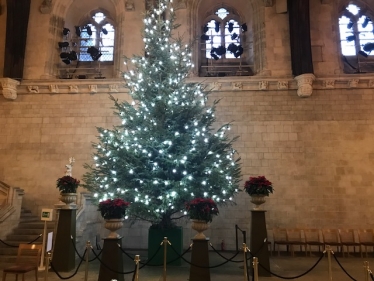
[31, 231]
[24, 238]
[35, 225]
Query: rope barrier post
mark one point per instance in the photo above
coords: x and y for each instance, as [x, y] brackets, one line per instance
[255, 268]
[137, 260]
[328, 250]
[366, 270]
[165, 243]
[88, 247]
[47, 261]
[245, 261]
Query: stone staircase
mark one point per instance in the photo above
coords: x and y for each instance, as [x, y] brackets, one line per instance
[28, 229]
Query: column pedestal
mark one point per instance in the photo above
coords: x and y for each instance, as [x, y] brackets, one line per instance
[64, 252]
[259, 248]
[111, 256]
[200, 256]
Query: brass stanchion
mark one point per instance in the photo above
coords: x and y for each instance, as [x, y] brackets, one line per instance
[329, 251]
[245, 248]
[137, 260]
[366, 270]
[47, 261]
[255, 268]
[165, 243]
[88, 247]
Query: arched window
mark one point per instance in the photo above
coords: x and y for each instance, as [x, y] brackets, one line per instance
[222, 45]
[356, 39]
[96, 39]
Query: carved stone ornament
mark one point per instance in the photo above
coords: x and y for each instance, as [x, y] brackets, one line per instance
[33, 89]
[263, 85]
[282, 85]
[305, 84]
[46, 7]
[371, 83]
[113, 88]
[237, 86]
[353, 83]
[129, 5]
[9, 88]
[92, 88]
[54, 88]
[216, 86]
[329, 84]
[73, 89]
[268, 3]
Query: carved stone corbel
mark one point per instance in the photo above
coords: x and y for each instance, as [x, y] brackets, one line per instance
[353, 83]
[46, 7]
[33, 89]
[53, 88]
[9, 88]
[92, 88]
[113, 88]
[237, 86]
[329, 84]
[283, 85]
[263, 85]
[305, 84]
[73, 89]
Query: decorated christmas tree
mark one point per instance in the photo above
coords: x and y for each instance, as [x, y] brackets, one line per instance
[166, 150]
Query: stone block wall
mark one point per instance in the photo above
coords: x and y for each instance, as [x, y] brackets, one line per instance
[317, 152]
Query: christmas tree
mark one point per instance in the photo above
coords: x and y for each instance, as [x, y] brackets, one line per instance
[166, 151]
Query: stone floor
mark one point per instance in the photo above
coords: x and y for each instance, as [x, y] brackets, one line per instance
[283, 266]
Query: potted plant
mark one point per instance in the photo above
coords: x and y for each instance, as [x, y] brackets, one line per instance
[113, 211]
[67, 185]
[201, 211]
[258, 188]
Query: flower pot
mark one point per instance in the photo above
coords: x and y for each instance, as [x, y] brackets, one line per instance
[113, 225]
[69, 199]
[258, 200]
[199, 226]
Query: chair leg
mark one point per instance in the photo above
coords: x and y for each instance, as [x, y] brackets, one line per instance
[36, 274]
[4, 275]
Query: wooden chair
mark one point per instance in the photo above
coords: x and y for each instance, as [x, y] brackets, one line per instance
[294, 238]
[331, 238]
[312, 238]
[28, 259]
[280, 238]
[366, 239]
[347, 238]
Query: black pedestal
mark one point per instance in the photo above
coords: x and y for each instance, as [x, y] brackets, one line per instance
[63, 251]
[111, 256]
[259, 247]
[200, 257]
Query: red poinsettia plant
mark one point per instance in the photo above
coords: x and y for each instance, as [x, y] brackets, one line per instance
[67, 184]
[258, 186]
[202, 209]
[113, 208]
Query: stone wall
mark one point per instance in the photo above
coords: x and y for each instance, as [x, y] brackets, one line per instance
[317, 152]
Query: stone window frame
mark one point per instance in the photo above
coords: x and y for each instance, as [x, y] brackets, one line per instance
[355, 63]
[89, 20]
[237, 63]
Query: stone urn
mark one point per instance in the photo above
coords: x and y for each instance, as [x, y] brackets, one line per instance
[69, 199]
[113, 225]
[199, 226]
[258, 200]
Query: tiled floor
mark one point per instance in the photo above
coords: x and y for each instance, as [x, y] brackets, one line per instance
[283, 266]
